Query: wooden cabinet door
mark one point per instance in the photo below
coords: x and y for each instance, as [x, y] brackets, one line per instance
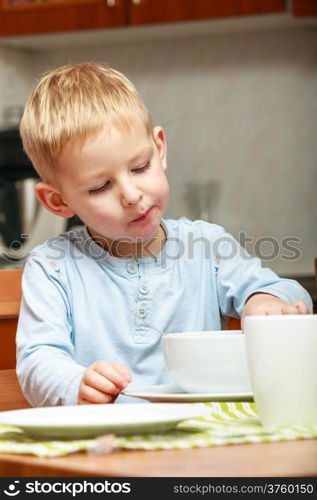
[302, 8]
[161, 11]
[24, 17]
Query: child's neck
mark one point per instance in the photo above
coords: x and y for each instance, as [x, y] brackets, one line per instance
[149, 248]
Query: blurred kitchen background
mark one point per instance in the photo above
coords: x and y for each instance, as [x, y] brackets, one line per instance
[234, 84]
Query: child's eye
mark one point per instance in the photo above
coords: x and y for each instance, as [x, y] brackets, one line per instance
[100, 188]
[142, 169]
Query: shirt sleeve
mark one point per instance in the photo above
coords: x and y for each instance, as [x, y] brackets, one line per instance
[46, 366]
[239, 275]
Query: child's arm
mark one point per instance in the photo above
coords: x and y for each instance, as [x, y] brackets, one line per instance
[47, 363]
[246, 287]
[46, 367]
[102, 382]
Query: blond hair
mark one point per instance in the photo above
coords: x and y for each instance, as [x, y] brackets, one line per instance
[74, 102]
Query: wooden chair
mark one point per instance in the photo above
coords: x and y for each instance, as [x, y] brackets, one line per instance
[10, 298]
[233, 324]
[11, 396]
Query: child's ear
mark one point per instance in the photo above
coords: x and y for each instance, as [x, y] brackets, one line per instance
[160, 141]
[51, 199]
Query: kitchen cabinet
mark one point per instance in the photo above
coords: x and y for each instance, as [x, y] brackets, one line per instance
[163, 11]
[304, 8]
[23, 17]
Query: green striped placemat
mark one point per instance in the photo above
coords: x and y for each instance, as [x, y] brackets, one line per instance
[227, 424]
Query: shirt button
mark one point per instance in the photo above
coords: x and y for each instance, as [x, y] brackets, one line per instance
[132, 267]
[142, 312]
[144, 289]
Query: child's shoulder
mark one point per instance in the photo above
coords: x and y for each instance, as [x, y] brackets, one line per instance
[196, 227]
[56, 256]
[60, 243]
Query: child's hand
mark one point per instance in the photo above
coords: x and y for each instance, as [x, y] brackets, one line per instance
[102, 382]
[264, 304]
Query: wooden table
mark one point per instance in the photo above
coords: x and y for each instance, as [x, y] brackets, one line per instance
[281, 459]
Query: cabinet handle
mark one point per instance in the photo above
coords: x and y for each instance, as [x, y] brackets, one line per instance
[111, 3]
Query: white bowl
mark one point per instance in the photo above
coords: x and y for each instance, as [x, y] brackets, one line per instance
[208, 362]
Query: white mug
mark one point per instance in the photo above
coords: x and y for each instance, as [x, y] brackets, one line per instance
[282, 360]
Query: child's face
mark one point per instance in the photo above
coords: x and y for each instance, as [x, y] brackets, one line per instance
[116, 183]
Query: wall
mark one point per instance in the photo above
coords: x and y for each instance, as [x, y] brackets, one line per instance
[16, 81]
[240, 116]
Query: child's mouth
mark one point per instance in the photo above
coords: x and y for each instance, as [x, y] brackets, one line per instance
[144, 216]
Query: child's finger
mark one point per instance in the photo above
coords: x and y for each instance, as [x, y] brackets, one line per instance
[289, 309]
[110, 372]
[89, 395]
[100, 382]
[124, 371]
[302, 307]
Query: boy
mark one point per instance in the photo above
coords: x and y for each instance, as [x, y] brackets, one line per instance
[88, 294]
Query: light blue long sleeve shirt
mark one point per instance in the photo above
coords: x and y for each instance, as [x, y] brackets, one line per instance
[80, 304]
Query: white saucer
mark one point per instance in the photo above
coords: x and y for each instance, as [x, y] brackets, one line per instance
[170, 393]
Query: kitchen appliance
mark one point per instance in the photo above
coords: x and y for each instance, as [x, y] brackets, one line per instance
[201, 198]
[24, 223]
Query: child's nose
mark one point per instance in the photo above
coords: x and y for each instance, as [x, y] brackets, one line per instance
[130, 194]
